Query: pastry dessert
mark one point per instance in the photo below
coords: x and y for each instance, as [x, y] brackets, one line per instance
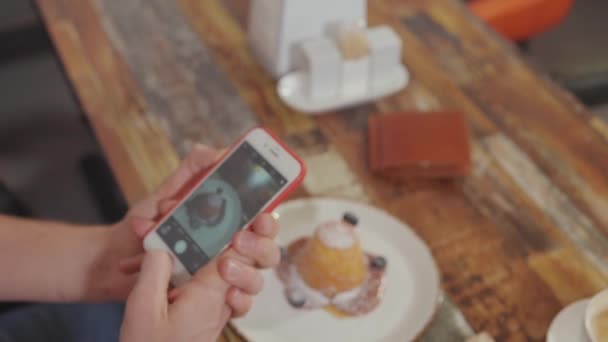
[329, 269]
[206, 209]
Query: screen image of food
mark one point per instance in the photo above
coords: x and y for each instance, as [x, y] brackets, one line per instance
[224, 203]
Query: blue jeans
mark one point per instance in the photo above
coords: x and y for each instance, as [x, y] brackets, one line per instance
[62, 323]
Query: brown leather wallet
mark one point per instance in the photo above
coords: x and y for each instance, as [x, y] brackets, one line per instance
[419, 145]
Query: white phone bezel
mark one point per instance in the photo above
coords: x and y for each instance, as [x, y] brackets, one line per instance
[272, 151]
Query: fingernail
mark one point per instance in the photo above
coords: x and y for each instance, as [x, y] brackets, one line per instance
[233, 270]
[247, 241]
[266, 222]
[141, 226]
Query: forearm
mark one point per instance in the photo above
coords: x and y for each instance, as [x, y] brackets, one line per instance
[43, 261]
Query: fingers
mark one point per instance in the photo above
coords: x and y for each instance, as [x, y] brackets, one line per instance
[226, 314]
[166, 205]
[200, 158]
[120, 288]
[239, 302]
[141, 226]
[150, 292]
[262, 250]
[265, 225]
[209, 277]
[246, 278]
[174, 293]
[131, 265]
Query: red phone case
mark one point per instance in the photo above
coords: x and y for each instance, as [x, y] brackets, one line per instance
[283, 195]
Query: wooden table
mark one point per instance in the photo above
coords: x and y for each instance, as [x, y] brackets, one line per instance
[516, 241]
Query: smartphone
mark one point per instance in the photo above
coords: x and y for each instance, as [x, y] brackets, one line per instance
[254, 176]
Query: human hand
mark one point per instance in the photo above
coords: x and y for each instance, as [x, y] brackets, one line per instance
[199, 310]
[124, 250]
[197, 314]
[113, 276]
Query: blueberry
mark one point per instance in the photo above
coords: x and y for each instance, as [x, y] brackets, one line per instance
[350, 218]
[378, 262]
[296, 298]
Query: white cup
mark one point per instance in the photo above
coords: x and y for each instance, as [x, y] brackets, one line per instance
[320, 60]
[384, 54]
[597, 306]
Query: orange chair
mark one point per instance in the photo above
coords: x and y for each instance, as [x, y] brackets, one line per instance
[519, 20]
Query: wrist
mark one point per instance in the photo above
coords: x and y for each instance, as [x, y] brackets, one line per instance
[105, 280]
[97, 269]
[75, 279]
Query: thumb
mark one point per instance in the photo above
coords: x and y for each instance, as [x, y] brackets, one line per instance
[150, 291]
[141, 226]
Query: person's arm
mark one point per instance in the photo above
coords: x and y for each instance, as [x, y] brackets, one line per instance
[44, 261]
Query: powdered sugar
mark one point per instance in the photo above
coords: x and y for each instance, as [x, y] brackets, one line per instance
[363, 298]
[337, 235]
[347, 296]
[297, 286]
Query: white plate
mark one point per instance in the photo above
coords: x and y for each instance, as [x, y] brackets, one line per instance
[291, 89]
[412, 284]
[569, 324]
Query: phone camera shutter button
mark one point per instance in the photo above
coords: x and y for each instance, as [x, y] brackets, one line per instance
[180, 247]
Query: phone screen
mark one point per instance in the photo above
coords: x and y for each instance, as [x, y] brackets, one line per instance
[224, 203]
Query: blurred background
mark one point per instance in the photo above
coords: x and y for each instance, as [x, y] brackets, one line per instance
[51, 165]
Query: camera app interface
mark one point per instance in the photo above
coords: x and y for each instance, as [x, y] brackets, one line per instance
[224, 203]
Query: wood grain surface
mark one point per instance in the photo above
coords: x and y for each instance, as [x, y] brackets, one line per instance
[520, 238]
